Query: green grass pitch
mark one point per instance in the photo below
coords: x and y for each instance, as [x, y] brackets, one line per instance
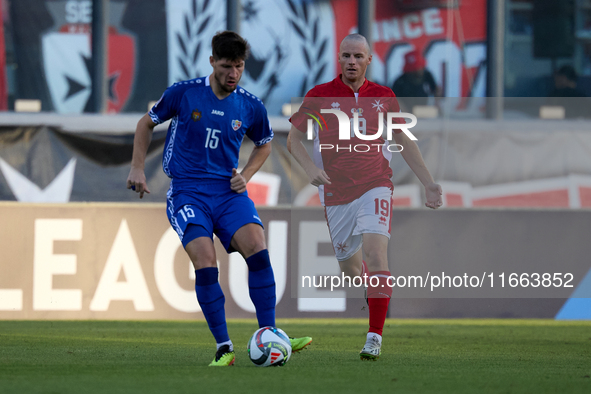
[418, 356]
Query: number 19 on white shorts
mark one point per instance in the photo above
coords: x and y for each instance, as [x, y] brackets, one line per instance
[370, 213]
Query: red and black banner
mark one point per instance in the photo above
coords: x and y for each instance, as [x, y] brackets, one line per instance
[53, 49]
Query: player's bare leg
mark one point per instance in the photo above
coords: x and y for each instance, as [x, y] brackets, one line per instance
[201, 252]
[353, 266]
[249, 239]
[210, 297]
[375, 250]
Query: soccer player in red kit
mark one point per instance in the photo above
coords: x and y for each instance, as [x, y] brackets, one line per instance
[353, 175]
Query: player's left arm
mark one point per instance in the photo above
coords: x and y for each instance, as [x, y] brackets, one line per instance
[414, 159]
[257, 157]
[261, 134]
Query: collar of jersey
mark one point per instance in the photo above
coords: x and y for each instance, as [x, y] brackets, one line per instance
[361, 88]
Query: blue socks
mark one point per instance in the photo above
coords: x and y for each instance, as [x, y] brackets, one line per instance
[261, 285]
[211, 299]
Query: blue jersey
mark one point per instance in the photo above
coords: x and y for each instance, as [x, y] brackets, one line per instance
[205, 134]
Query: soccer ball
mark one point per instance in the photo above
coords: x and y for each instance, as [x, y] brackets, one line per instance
[269, 346]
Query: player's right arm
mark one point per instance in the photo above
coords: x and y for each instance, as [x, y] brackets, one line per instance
[297, 149]
[143, 136]
[164, 109]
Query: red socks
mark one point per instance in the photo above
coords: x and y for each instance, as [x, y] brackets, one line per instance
[378, 299]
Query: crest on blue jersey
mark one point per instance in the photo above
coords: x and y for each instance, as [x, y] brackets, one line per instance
[196, 115]
[236, 124]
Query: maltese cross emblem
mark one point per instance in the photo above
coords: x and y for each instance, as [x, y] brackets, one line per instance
[378, 106]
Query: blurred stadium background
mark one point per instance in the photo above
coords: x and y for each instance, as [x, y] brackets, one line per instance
[515, 164]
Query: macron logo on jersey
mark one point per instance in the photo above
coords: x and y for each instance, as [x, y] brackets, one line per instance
[216, 112]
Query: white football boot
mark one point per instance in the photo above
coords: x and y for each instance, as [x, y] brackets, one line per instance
[372, 349]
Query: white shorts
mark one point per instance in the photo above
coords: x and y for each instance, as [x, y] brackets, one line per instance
[370, 213]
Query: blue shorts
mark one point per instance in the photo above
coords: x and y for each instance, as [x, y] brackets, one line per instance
[213, 206]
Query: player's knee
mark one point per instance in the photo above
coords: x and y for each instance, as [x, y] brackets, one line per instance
[350, 270]
[376, 260]
[204, 261]
[202, 254]
[251, 242]
[252, 247]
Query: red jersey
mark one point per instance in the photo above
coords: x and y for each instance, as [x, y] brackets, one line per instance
[353, 165]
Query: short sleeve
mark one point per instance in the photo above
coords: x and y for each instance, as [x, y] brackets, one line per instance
[260, 131]
[394, 106]
[168, 105]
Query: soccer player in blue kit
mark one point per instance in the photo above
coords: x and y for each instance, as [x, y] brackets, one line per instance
[207, 195]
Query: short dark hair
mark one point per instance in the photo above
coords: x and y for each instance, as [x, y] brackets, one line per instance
[569, 72]
[229, 45]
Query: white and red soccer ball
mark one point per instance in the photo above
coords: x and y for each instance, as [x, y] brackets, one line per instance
[269, 346]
